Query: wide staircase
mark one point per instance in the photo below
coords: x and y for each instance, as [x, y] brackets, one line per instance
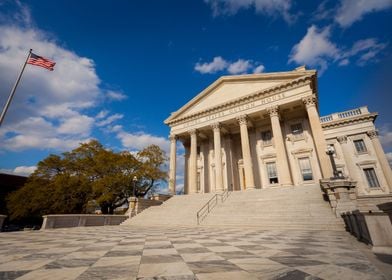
[178, 210]
[297, 208]
[300, 208]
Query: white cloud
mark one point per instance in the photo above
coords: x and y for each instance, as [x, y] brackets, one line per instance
[315, 49]
[102, 114]
[140, 140]
[366, 50]
[20, 170]
[50, 108]
[217, 64]
[241, 66]
[259, 69]
[24, 170]
[386, 136]
[273, 8]
[351, 11]
[110, 119]
[115, 96]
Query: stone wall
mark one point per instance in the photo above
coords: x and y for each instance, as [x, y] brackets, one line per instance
[65, 221]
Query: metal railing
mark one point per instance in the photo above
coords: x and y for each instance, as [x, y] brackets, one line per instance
[206, 209]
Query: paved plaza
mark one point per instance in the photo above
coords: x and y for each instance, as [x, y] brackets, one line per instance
[125, 252]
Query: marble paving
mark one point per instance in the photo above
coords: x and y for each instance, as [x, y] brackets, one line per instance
[124, 252]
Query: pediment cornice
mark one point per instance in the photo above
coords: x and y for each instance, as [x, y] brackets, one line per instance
[308, 79]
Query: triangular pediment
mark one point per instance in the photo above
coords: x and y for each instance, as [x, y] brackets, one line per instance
[231, 88]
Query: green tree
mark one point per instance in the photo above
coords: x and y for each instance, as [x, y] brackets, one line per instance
[152, 158]
[65, 184]
[52, 188]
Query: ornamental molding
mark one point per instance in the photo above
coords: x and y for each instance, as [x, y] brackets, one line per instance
[302, 151]
[216, 126]
[349, 121]
[310, 100]
[268, 156]
[172, 137]
[192, 132]
[342, 139]
[242, 120]
[273, 111]
[265, 93]
[372, 134]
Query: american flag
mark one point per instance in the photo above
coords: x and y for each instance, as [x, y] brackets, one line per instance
[41, 61]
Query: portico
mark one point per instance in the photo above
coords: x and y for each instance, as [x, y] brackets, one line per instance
[253, 131]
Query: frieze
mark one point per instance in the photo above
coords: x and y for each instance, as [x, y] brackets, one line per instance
[234, 110]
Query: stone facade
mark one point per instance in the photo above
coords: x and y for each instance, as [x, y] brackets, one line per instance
[264, 130]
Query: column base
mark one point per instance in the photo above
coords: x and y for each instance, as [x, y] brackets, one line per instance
[250, 188]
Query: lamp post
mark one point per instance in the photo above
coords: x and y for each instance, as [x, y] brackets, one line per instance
[134, 185]
[330, 152]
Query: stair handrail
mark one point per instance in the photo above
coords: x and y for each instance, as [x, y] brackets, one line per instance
[207, 207]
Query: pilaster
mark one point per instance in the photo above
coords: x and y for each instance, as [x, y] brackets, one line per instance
[373, 135]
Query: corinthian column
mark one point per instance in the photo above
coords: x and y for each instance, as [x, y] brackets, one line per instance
[347, 156]
[386, 169]
[172, 167]
[280, 148]
[318, 135]
[249, 178]
[218, 157]
[193, 162]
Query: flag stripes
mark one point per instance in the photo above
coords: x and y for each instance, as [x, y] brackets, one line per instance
[41, 61]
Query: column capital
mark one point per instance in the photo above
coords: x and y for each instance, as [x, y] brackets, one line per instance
[173, 137]
[372, 134]
[242, 120]
[342, 139]
[310, 100]
[273, 111]
[216, 126]
[192, 132]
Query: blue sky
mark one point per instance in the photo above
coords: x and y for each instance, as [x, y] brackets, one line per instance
[123, 66]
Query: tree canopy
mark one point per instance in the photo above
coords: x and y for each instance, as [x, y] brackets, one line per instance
[66, 184]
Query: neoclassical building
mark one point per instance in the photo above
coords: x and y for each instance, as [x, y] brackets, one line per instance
[264, 131]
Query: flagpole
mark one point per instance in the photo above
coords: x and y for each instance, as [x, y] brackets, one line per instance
[13, 90]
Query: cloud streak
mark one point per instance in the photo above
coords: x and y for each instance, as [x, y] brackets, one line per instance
[219, 64]
[317, 49]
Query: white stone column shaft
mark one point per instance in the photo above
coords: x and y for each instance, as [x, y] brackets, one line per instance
[318, 135]
[280, 148]
[386, 169]
[193, 163]
[218, 157]
[172, 166]
[247, 158]
[347, 155]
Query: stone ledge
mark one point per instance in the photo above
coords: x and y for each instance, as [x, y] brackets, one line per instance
[80, 220]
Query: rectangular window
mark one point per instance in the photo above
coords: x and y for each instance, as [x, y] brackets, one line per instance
[297, 130]
[360, 146]
[272, 174]
[266, 136]
[306, 169]
[371, 177]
